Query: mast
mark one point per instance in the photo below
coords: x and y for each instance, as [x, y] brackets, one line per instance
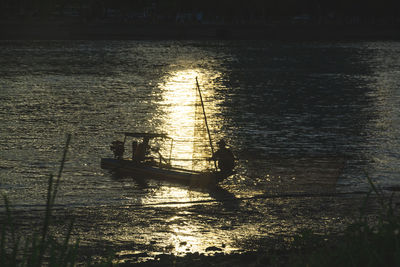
[205, 119]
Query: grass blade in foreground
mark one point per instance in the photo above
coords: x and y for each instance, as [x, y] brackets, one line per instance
[40, 247]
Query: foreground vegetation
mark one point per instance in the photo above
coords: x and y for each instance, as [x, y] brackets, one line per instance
[369, 241]
[366, 242]
[40, 247]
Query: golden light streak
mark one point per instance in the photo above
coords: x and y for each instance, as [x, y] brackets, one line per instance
[179, 104]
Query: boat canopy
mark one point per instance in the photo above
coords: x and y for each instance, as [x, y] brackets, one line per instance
[148, 135]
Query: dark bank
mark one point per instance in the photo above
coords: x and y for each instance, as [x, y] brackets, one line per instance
[157, 20]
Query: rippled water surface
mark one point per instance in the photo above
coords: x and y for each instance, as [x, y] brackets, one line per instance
[301, 118]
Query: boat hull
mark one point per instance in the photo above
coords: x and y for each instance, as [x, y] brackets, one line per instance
[152, 171]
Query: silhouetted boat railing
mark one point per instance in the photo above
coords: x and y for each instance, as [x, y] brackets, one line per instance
[193, 159]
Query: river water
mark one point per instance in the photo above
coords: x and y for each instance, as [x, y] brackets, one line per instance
[301, 117]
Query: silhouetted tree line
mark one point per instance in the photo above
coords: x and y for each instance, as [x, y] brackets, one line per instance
[227, 11]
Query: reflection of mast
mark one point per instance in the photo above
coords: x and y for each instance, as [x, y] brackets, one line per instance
[205, 119]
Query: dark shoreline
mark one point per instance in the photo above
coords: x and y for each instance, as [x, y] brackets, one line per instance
[60, 30]
[95, 227]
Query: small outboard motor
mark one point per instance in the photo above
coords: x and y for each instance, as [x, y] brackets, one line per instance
[117, 147]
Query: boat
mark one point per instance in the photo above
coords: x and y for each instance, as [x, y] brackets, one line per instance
[157, 168]
[143, 166]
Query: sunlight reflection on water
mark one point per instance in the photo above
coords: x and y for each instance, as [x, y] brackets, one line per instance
[184, 120]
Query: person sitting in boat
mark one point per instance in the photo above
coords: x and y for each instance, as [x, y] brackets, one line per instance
[224, 157]
[117, 147]
[141, 150]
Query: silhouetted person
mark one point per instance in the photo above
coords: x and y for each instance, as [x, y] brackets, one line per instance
[117, 147]
[141, 150]
[224, 157]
